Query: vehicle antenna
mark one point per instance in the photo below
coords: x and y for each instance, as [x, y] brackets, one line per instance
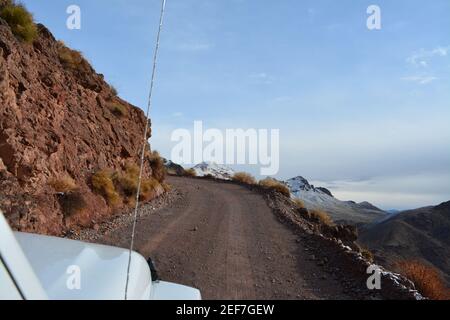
[144, 144]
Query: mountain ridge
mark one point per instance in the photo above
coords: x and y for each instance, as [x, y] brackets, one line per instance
[422, 234]
[340, 211]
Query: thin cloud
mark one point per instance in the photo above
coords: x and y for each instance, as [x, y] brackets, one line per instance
[261, 77]
[420, 79]
[422, 57]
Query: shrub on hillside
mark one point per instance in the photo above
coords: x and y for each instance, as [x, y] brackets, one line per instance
[72, 202]
[367, 254]
[63, 184]
[426, 278]
[72, 59]
[299, 203]
[275, 185]
[113, 90]
[117, 109]
[129, 181]
[20, 21]
[102, 182]
[190, 173]
[157, 165]
[148, 188]
[244, 177]
[167, 187]
[321, 216]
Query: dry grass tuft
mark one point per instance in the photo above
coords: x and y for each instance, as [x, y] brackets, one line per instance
[148, 188]
[20, 21]
[367, 254]
[190, 173]
[63, 184]
[275, 185]
[167, 187]
[72, 203]
[426, 278]
[117, 109]
[103, 184]
[244, 177]
[299, 203]
[72, 59]
[157, 164]
[115, 186]
[129, 181]
[321, 216]
[113, 90]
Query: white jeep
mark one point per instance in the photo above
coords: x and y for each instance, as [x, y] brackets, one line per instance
[41, 267]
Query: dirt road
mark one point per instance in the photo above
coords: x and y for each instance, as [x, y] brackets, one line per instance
[224, 240]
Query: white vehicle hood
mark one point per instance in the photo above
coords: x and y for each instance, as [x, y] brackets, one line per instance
[102, 270]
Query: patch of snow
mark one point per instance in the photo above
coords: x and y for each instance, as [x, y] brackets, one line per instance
[216, 170]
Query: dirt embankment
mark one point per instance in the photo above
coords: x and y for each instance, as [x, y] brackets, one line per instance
[60, 122]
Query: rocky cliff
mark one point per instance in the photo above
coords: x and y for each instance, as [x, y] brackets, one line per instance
[60, 124]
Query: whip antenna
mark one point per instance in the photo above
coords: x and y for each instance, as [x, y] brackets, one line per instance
[155, 58]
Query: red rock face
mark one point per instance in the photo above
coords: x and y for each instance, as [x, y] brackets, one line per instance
[55, 121]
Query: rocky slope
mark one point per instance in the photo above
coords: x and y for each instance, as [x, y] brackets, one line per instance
[59, 120]
[422, 234]
[340, 211]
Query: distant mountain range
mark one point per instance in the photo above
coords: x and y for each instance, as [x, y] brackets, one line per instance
[414, 234]
[340, 211]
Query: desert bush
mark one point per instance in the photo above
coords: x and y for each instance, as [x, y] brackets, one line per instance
[367, 254]
[72, 59]
[128, 182]
[131, 201]
[72, 202]
[299, 203]
[117, 109]
[113, 90]
[190, 173]
[20, 21]
[167, 187]
[244, 177]
[148, 188]
[63, 184]
[102, 182]
[321, 216]
[426, 278]
[275, 185]
[157, 165]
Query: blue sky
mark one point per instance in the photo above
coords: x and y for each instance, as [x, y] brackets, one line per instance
[363, 112]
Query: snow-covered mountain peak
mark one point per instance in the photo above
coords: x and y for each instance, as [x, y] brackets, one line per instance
[218, 171]
[322, 198]
[299, 183]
